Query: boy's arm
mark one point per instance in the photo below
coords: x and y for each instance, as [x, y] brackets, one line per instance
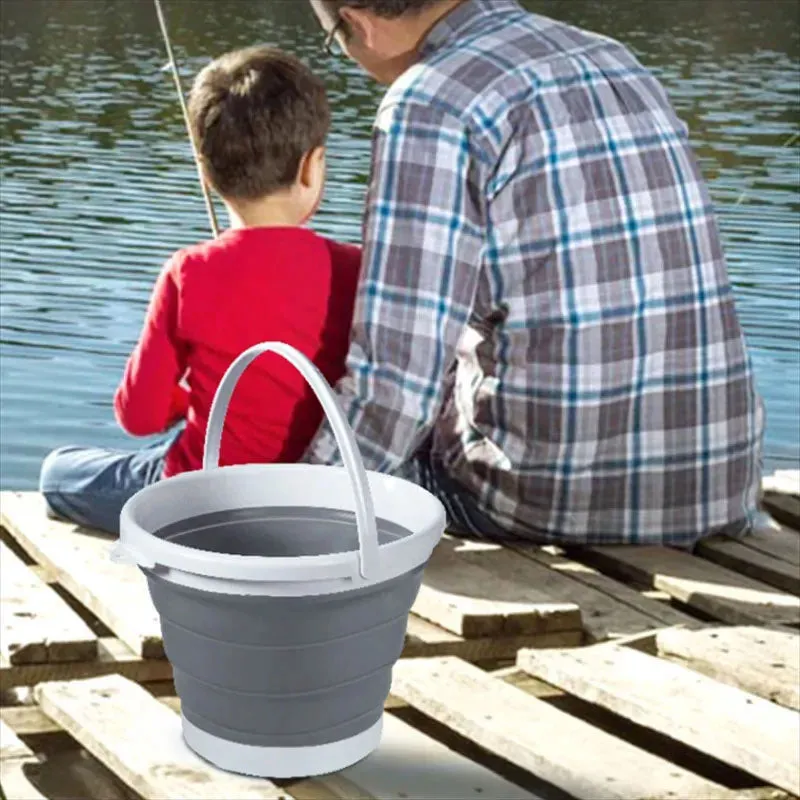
[149, 399]
[423, 240]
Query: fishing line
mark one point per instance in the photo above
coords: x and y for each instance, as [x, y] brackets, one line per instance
[173, 67]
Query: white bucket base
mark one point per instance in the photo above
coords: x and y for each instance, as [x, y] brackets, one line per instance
[282, 762]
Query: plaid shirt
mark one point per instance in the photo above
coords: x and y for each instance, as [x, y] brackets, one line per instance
[544, 298]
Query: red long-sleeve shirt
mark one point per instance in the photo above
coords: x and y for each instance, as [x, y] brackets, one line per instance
[213, 301]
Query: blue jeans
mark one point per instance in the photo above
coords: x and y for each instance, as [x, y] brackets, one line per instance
[90, 485]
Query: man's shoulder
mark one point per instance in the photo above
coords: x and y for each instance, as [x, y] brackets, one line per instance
[479, 79]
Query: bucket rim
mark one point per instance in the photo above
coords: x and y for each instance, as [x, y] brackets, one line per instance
[140, 546]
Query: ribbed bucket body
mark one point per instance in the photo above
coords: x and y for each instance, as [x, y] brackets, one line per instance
[282, 672]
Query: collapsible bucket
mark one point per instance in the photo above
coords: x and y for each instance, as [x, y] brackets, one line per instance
[284, 592]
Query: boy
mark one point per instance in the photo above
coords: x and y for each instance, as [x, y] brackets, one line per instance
[260, 120]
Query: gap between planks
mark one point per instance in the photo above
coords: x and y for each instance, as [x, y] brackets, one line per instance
[541, 739]
[720, 720]
[710, 589]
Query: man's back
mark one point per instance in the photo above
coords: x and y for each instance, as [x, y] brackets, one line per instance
[544, 334]
[603, 390]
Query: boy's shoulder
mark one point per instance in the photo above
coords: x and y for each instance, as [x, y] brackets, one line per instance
[302, 245]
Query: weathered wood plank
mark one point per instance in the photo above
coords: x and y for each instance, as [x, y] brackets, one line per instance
[32, 721]
[722, 721]
[409, 764]
[546, 742]
[777, 541]
[714, 590]
[538, 688]
[14, 758]
[473, 591]
[36, 625]
[783, 481]
[758, 660]
[10, 745]
[783, 507]
[27, 720]
[741, 557]
[139, 740]
[609, 609]
[114, 593]
[424, 639]
[113, 657]
[99, 714]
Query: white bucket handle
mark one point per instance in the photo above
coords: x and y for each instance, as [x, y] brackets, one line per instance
[365, 512]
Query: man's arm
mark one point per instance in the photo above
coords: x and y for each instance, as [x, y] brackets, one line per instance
[423, 240]
[149, 398]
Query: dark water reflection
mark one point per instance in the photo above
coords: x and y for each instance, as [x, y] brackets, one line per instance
[97, 185]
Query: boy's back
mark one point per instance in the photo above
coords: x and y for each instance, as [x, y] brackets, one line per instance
[259, 119]
[217, 299]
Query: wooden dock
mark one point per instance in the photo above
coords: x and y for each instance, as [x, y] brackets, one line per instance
[608, 672]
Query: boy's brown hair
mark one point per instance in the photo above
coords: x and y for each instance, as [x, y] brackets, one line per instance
[254, 114]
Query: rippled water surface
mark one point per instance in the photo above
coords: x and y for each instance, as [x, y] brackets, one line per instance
[97, 184]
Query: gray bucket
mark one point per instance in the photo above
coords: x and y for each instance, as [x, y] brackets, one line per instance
[283, 592]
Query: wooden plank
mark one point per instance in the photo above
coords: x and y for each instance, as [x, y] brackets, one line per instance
[556, 747]
[783, 481]
[609, 609]
[410, 764]
[424, 639]
[776, 541]
[114, 593]
[700, 584]
[14, 758]
[10, 745]
[722, 721]
[407, 764]
[32, 721]
[472, 590]
[527, 683]
[112, 657]
[739, 556]
[758, 660]
[139, 740]
[27, 720]
[783, 507]
[36, 625]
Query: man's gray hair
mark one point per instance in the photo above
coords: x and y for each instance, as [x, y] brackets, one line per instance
[383, 8]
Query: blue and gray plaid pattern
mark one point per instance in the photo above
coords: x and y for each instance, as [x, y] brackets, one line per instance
[544, 300]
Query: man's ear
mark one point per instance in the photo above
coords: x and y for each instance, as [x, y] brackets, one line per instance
[360, 25]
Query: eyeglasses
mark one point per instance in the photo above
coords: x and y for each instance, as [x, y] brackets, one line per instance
[330, 39]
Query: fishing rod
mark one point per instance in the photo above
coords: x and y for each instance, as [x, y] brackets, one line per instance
[173, 67]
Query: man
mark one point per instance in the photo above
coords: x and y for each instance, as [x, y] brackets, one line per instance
[544, 335]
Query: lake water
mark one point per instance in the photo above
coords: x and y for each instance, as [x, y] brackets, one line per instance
[97, 185]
